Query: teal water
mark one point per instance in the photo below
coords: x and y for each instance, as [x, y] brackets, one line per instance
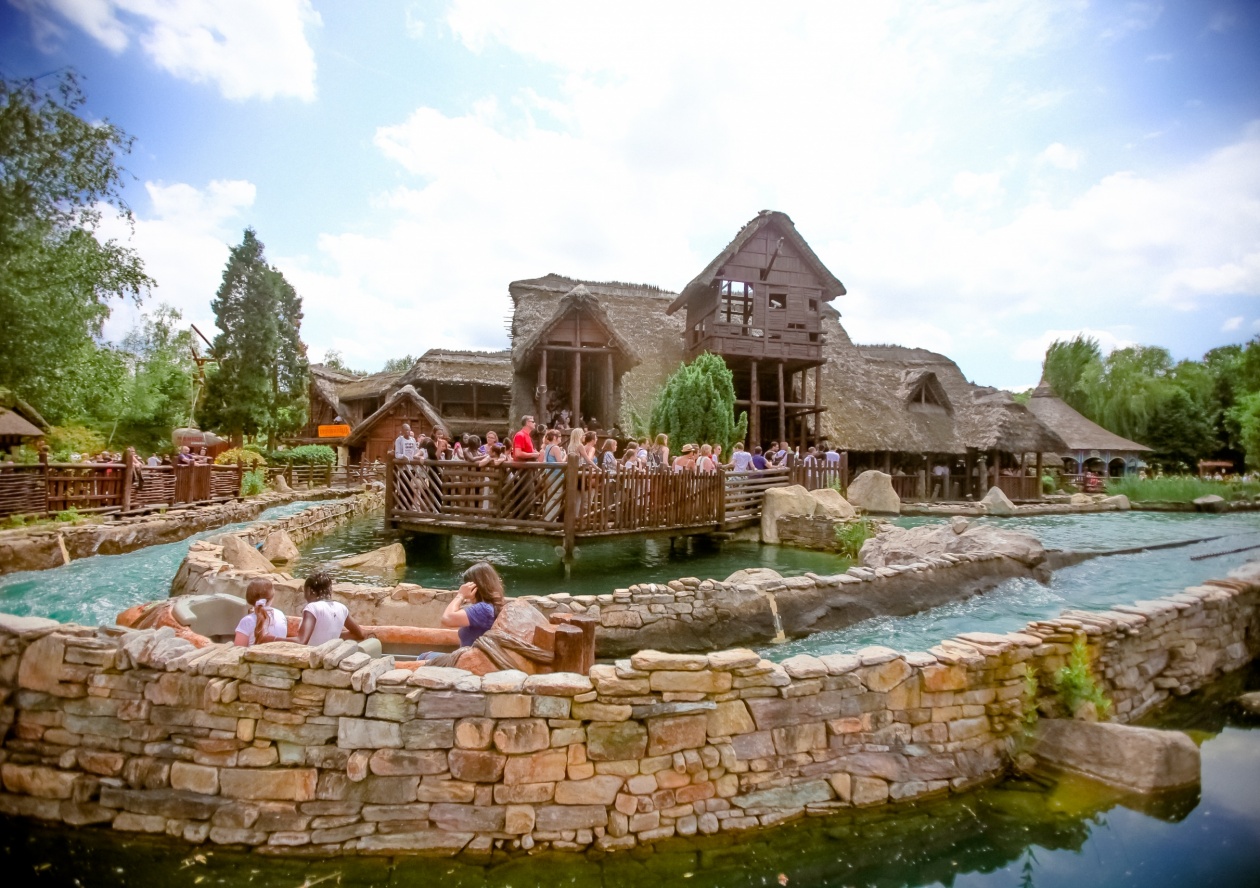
[1017, 833]
[1096, 584]
[530, 568]
[92, 591]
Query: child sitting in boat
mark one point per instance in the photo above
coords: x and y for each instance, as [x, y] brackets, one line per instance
[324, 619]
[474, 608]
[264, 623]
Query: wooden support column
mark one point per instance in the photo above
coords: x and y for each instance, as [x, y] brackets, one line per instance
[128, 475]
[541, 392]
[389, 489]
[571, 503]
[782, 407]
[997, 466]
[754, 410]
[818, 405]
[609, 407]
[575, 397]
[887, 462]
[568, 653]
[1039, 474]
[475, 413]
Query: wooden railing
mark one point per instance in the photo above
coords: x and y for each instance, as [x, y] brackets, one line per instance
[1020, 487]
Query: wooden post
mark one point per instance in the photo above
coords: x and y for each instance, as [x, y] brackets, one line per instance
[389, 490]
[721, 502]
[240, 475]
[568, 651]
[844, 471]
[818, 405]
[754, 410]
[43, 461]
[997, 466]
[540, 411]
[128, 476]
[1039, 494]
[782, 408]
[887, 462]
[587, 626]
[570, 508]
[609, 408]
[476, 412]
[575, 397]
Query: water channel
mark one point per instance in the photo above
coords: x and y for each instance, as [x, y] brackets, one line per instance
[1018, 833]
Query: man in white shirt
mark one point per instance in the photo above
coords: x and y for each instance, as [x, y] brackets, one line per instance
[741, 459]
[405, 445]
[832, 455]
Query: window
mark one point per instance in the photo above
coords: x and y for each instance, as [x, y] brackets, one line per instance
[735, 303]
[813, 306]
[778, 301]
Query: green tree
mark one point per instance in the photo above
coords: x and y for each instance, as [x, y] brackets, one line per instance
[697, 405]
[1246, 416]
[1133, 387]
[399, 365]
[259, 385]
[1072, 369]
[157, 394]
[334, 361]
[1180, 433]
[58, 173]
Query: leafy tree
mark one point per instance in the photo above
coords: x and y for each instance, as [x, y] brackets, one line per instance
[1179, 433]
[58, 172]
[259, 385]
[399, 365]
[1072, 369]
[334, 361]
[1133, 387]
[157, 394]
[697, 405]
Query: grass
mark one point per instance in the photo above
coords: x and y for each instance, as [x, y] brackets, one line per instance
[851, 535]
[253, 483]
[1076, 685]
[1179, 488]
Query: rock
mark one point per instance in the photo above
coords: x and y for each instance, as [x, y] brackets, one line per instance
[1120, 502]
[1081, 499]
[897, 545]
[753, 575]
[872, 491]
[241, 555]
[1131, 758]
[958, 524]
[280, 485]
[279, 548]
[391, 557]
[830, 504]
[996, 502]
[793, 501]
[1210, 503]
[1250, 702]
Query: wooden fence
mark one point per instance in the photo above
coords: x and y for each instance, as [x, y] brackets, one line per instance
[1020, 487]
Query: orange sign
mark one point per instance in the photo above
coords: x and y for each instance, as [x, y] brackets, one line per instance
[334, 431]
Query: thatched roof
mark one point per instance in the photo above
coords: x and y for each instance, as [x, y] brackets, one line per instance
[16, 425]
[998, 422]
[781, 223]
[578, 298]
[324, 382]
[1077, 432]
[406, 393]
[445, 365]
[369, 386]
[15, 405]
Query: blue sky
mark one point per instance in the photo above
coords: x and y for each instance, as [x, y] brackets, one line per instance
[984, 177]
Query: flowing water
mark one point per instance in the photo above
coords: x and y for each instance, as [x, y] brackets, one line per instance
[92, 591]
[1096, 584]
[1018, 833]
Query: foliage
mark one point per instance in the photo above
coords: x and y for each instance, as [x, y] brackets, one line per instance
[248, 458]
[697, 405]
[306, 455]
[69, 516]
[59, 174]
[1075, 682]
[254, 483]
[260, 382]
[398, 365]
[65, 440]
[334, 361]
[254, 447]
[851, 535]
[1245, 418]
[1179, 488]
[17, 521]
[1047, 484]
[1071, 369]
[1022, 397]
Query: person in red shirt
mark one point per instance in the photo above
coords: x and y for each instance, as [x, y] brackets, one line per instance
[523, 442]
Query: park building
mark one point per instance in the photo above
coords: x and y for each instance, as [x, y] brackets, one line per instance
[596, 352]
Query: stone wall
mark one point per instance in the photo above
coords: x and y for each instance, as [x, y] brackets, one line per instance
[688, 614]
[323, 750]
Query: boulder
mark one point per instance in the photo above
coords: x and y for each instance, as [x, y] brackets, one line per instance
[1210, 503]
[1250, 702]
[996, 502]
[241, 555]
[959, 524]
[1119, 502]
[873, 492]
[899, 545]
[1081, 499]
[1124, 756]
[830, 504]
[391, 557]
[793, 501]
[280, 485]
[279, 548]
[753, 575]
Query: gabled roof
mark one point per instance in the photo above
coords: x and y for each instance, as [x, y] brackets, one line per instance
[577, 299]
[406, 393]
[446, 365]
[916, 379]
[1077, 432]
[324, 381]
[766, 218]
[369, 386]
[11, 402]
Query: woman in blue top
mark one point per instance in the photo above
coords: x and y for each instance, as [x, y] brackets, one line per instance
[477, 603]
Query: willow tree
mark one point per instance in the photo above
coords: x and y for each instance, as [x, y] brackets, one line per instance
[697, 405]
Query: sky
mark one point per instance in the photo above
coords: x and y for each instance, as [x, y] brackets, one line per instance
[985, 176]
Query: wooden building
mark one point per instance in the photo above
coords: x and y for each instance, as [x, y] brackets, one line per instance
[759, 305]
[468, 389]
[373, 438]
[1088, 447]
[20, 423]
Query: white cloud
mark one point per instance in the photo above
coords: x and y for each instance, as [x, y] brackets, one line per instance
[1061, 156]
[1035, 349]
[247, 49]
[1232, 324]
[184, 239]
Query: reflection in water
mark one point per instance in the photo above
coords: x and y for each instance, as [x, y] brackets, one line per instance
[1072, 834]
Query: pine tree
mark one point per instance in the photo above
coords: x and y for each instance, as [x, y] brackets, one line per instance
[260, 383]
[697, 405]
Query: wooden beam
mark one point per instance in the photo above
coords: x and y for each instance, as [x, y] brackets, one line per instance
[541, 392]
[818, 407]
[609, 408]
[782, 410]
[754, 418]
[765, 272]
[575, 396]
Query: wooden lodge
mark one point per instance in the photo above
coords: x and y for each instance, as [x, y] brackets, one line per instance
[20, 423]
[1089, 447]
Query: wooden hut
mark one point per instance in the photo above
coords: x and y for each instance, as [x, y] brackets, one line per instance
[759, 305]
[1087, 445]
[20, 423]
[373, 438]
[597, 349]
[468, 389]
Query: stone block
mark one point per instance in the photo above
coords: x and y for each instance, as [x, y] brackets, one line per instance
[344, 702]
[671, 734]
[450, 704]
[443, 789]
[523, 793]
[393, 813]
[649, 661]
[944, 678]
[869, 791]
[429, 733]
[39, 781]
[521, 735]
[508, 705]
[399, 790]
[474, 733]
[547, 766]
[306, 734]
[616, 741]
[430, 841]
[551, 707]
[601, 790]
[394, 762]
[457, 818]
[603, 712]
[1132, 758]
[194, 778]
[476, 766]
[390, 707]
[797, 796]
[362, 733]
[794, 739]
[966, 728]
[557, 818]
[694, 682]
[518, 820]
[885, 676]
[558, 684]
[287, 784]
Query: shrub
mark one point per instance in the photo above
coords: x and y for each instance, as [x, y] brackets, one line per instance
[1047, 484]
[65, 440]
[1075, 682]
[254, 482]
[851, 535]
[17, 521]
[256, 448]
[1179, 488]
[70, 515]
[306, 455]
[248, 458]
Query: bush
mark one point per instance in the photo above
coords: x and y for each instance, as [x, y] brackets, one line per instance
[248, 458]
[65, 440]
[1047, 484]
[851, 535]
[70, 516]
[254, 483]
[256, 448]
[1076, 685]
[306, 455]
[1178, 488]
